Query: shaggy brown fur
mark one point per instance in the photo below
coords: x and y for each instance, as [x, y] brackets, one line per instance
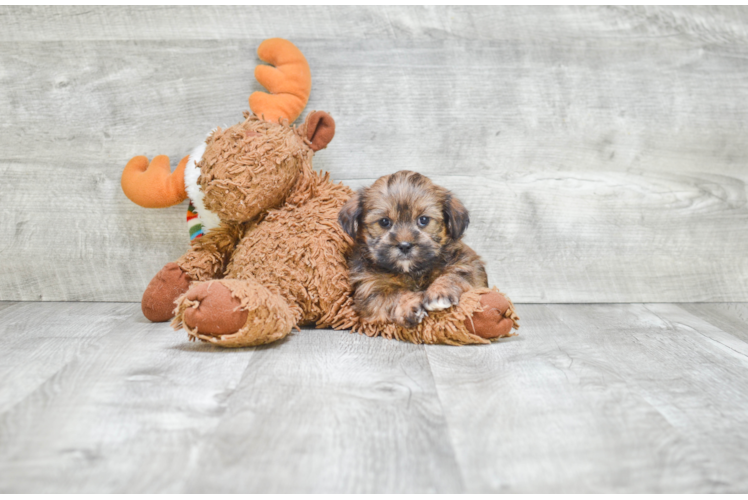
[281, 235]
[281, 256]
[251, 166]
[408, 257]
[278, 258]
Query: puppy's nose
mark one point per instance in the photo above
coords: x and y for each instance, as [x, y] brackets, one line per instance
[405, 246]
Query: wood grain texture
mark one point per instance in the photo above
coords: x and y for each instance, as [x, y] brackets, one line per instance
[732, 318]
[96, 399]
[38, 341]
[589, 398]
[424, 22]
[110, 402]
[331, 412]
[600, 151]
[600, 398]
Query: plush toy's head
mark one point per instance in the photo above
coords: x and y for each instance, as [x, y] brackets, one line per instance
[253, 165]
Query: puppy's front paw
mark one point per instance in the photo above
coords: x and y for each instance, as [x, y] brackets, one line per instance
[438, 298]
[409, 311]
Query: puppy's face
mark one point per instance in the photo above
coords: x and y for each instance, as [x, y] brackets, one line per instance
[405, 221]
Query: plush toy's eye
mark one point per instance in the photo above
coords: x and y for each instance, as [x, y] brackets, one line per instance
[385, 222]
[423, 221]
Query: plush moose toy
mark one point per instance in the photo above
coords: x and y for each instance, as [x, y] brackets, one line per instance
[267, 253]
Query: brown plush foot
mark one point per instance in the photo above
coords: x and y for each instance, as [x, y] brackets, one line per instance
[497, 318]
[218, 313]
[166, 287]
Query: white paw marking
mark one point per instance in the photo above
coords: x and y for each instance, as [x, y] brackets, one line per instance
[421, 314]
[438, 304]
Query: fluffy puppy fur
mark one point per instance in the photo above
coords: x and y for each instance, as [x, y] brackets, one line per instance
[408, 257]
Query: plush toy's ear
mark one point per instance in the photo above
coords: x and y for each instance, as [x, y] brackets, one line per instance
[350, 215]
[320, 129]
[456, 217]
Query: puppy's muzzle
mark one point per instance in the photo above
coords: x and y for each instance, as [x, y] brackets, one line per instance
[405, 247]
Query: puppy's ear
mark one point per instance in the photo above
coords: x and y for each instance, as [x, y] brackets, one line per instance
[456, 217]
[350, 215]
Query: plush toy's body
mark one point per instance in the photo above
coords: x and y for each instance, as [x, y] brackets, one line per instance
[273, 255]
[291, 257]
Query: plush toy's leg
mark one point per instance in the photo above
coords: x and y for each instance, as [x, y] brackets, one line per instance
[481, 316]
[233, 313]
[204, 261]
[496, 319]
[166, 287]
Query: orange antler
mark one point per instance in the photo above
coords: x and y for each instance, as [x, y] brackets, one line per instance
[290, 81]
[153, 186]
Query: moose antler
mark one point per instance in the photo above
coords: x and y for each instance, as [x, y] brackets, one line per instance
[290, 81]
[152, 186]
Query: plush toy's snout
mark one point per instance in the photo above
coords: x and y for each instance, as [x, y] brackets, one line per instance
[252, 166]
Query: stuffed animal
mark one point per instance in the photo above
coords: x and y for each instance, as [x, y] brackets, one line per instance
[267, 253]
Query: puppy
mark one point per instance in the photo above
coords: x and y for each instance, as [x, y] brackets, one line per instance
[407, 257]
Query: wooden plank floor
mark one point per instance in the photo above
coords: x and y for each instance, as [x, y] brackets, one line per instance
[590, 398]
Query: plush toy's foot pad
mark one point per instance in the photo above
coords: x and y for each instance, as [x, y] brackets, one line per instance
[217, 311]
[166, 287]
[497, 318]
[234, 313]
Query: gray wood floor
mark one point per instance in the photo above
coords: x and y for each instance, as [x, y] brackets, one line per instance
[600, 150]
[590, 398]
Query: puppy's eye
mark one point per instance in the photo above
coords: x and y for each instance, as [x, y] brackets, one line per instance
[423, 221]
[385, 222]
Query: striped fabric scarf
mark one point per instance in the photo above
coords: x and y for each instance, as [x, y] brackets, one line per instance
[194, 224]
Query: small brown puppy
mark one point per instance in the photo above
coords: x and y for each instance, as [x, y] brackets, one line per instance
[408, 258]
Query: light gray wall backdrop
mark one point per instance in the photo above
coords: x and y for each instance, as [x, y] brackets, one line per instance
[601, 151]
